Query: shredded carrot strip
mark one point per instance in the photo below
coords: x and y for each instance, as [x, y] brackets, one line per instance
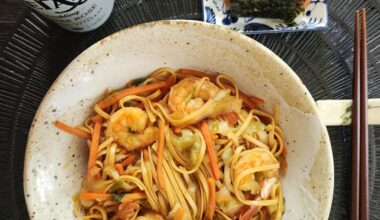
[246, 99]
[232, 118]
[97, 196]
[285, 151]
[283, 163]
[119, 168]
[210, 150]
[106, 92]
[261, 183]
[211, 199]
[214, 136]
[123, 151]
[256, 100]
[196, 73]
[140, 105]
[94, 146]
[225, 118]
[96, 118]
[136, 190]
[114, 98]
[114, 106]
[170, 81]
[160, 155]
[129, 160]
[71, 130]
[133, 196]
[179, 214]
[177, 130]
[145, 153]
[265, 212]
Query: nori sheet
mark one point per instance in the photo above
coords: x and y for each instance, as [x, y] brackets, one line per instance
[282, 9]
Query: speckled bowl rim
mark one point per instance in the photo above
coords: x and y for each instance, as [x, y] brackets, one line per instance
[233, 35]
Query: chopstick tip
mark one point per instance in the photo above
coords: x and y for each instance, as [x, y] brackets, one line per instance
[364, 13]
[357, 16]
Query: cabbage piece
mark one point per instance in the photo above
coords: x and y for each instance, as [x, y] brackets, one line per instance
[263, 137]
[112, 172]
[189, 144]
[227, 155]
[186, 140]
[219, 127]
[255, 126]
[227, 202]
[267, 187]
[227, 158]
[259, 128]
[225, 105]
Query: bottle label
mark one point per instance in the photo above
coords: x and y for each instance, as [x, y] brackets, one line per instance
[74, 15]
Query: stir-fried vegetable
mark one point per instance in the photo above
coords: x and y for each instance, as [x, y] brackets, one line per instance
[182, 147]
[185, 140]
[114, 98]
[71, 130]
[94, 148]
[227, 202]
[210, 150]
[188, 143]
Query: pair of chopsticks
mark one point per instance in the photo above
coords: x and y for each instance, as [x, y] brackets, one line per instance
[359, 190]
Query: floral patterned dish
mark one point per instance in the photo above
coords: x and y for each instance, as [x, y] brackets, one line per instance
[315, 17]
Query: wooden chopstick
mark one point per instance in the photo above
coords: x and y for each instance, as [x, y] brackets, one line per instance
[359, 187]
[355, 185]
[363, 121]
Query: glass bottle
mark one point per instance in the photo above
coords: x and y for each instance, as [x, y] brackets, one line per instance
[74, 15]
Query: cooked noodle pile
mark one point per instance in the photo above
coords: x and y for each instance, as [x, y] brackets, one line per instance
[181, 145]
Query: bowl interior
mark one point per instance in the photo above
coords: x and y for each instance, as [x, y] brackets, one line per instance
[55, 162]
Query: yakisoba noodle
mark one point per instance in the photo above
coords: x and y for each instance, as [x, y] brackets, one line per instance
[181, 145]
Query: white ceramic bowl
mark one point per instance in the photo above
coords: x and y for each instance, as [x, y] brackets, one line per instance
[55, 162]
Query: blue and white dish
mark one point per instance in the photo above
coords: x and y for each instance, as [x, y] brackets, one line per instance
[314, 17]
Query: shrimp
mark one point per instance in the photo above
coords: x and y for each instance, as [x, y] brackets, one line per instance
[250, 159]
[191, 93]
[128, 127]
[182, 97]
